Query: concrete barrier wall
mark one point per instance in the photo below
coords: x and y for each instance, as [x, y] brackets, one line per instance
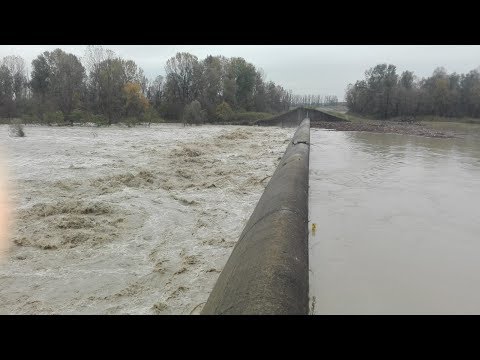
[267, 272]
[318, 115]
[294, 117]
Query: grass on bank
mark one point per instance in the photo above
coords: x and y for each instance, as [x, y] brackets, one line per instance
[83, 118]
[423, 118]
[432, 118]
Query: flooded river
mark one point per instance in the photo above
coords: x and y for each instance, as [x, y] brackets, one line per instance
[118, 220]
[397, 223]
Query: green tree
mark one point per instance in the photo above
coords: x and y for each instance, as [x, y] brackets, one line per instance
[40, 83]
[111, 79]
[224, 112]
[181, 69]
[470, 90]
[6, 92]
[193, 113]
[135, 102]
[13, 85]
[155, 92]
[108, 78]
[212, 84]
[67, 81]
[244, 75]
[259, 94]
[60, 77]
[181, 87]
[406, 94]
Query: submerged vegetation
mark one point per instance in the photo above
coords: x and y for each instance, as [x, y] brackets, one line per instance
[16, 129]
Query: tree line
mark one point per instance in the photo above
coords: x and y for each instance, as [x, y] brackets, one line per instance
[385, 94]
[314, 100]
[103, 87]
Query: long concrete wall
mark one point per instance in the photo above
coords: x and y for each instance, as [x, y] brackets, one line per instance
[294, 117]
[267, 272]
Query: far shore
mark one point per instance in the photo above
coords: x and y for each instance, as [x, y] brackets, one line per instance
[428, 126]
[388, 126]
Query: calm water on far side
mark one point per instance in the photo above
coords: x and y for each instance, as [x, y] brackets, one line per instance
[397, 223]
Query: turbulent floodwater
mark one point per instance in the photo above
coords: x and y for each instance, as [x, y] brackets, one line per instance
[398, 223]
[128, 220]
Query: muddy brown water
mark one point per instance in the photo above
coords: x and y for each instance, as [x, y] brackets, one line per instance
[128, 221]
[397, 222]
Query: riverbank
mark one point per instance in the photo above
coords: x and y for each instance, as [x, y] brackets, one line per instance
[378, 126]
[428, 126]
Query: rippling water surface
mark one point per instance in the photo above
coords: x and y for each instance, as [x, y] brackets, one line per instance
[397, 223]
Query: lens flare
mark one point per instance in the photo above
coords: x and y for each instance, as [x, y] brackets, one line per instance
[4, 209]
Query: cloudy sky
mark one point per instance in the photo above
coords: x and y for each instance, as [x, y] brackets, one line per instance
[318, 69]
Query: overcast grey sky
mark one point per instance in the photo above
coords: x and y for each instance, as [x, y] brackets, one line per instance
[305, 69]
